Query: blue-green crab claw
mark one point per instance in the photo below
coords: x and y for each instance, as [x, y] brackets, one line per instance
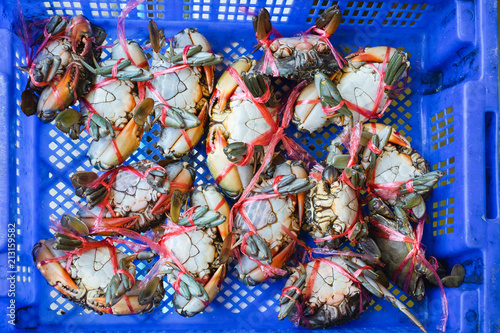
[286, 302]
[423, 184]
[156, 179]
[68, 121]
[74, 224]
[257, 86]
[177, 118]
[262, 24]
[196, 57]
[370, 247]
[329, 19]
[188, 286]
[125, 71]
[289, 184]
[66, 243]
[203, 217]
[329, 95]
[99, 127]
[397, 65]
[147, 294]
[258, 249]
[55, 26]
[236, 151]
[46, 69]
[120, 283]
[456, 278]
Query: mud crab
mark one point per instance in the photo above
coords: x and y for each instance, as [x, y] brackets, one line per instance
[239, 124]
[332, 290]
[134, 196]
[183, 80]
[268, 226]
[403, 256]
[95, 275]
[57, 77]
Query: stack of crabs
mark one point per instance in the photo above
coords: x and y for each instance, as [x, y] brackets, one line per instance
[371, 189]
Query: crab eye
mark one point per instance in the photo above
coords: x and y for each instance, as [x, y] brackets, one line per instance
[322, 48]
[284, 52]
[274, 46]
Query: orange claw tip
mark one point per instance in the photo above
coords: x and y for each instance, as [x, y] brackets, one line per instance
[363, 57]
[100, 300]
[209, 74]
[118, 221]
[281, 257]
[301, 198]
[162, 204]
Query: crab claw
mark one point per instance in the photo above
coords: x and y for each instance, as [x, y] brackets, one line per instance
[256, 275]
[329, 20]
[81, 32]
[65, 96]
[128, 140]
[207, 195]
[75, 224]
[29, 102]
[53, 272]
[154, 36]
[227, 85]
[193, 306]
[287, 303]
[136, 52]
[262, 24]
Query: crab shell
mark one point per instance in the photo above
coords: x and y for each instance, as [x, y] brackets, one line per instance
[397, 164]
[114, 102]
[309, 117]
[300, 58]
[88, 277]
[136, 204]
[334, 297]
[198, 251]
[330, 210]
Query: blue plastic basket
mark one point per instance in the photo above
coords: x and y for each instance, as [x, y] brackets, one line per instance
[449, 111]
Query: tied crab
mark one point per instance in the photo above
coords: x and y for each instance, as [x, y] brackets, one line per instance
[363, 90]
[299, 57]
[57, 77]
[192, 248]
[243, 117]
[134, 197]
[268, 222]
[333, 290]
[182, 83]
[95, 275]
[331, 209]
[110, 103]
[394, 241]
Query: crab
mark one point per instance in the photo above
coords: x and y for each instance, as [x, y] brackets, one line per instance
[362, 90]
[331, 209]
[326, 293]
[109, 152]
[134, 196]
[57, 78]
[85, 275]
[267, 226]
[182, 93]
[237, 121]
[408, 275]
[198, 250]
